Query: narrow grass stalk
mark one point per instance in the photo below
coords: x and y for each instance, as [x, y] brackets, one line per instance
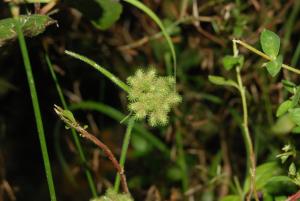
[246, 133]
[36, 108]
[102, 70]
[182, 161]
[263, 55]
[125, 146]
[74, 134]
[156, 19]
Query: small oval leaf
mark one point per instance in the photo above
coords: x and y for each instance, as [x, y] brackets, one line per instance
[274, 66]
[283, 108]
[270, 43]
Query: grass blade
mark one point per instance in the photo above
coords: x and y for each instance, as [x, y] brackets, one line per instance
[156, 19]
[36, 108]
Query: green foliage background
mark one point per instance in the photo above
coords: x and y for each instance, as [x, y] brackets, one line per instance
[201, 153]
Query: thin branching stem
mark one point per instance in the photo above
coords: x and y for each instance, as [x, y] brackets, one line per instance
[71, 122]
[263, 55]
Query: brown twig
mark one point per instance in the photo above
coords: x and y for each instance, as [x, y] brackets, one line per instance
[69, 119]
[107, 152]
[294, 197]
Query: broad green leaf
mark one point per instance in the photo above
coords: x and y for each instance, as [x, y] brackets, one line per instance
[295, 115]
[111, 11]
[274, 66]
[270, 43]
[280, 198]
[218, 80]
[283, 125]
[31, 25]
[296, 130]
[230, 61]
[283, 108]
[280, 179]
[264, 174]
[231, 198]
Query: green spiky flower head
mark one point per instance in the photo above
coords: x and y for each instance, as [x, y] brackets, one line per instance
[151, 96]
[111, 195]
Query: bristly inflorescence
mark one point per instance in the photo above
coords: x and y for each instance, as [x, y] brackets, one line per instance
[151, 96]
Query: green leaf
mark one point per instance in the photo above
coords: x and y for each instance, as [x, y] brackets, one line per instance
[230, 61]
[218, 80]
[289, 86]
[32, 25]
[274, 66]
[295, 115]
[280, 179]
[296, 130]
[264, 174]
[283, 108]
[231, 198]
[111, 11]
[283, 125]
[270, 43]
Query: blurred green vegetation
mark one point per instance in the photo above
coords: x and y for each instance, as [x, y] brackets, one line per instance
[201, 154]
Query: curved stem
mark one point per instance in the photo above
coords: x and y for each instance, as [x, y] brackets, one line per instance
[124, 150]
[256, 51]
[102, 70]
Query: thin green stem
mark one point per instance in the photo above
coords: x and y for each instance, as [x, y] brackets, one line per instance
[256, 51]
[246, 133]
[247, 137]
[74, 135]
[125, 146]
[36, 108]
[182, 161]
[102, 70]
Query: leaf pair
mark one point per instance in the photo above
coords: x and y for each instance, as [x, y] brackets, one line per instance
[270, 43]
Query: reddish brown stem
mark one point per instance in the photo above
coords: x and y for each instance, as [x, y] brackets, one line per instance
[294, 197]
[108, 153]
